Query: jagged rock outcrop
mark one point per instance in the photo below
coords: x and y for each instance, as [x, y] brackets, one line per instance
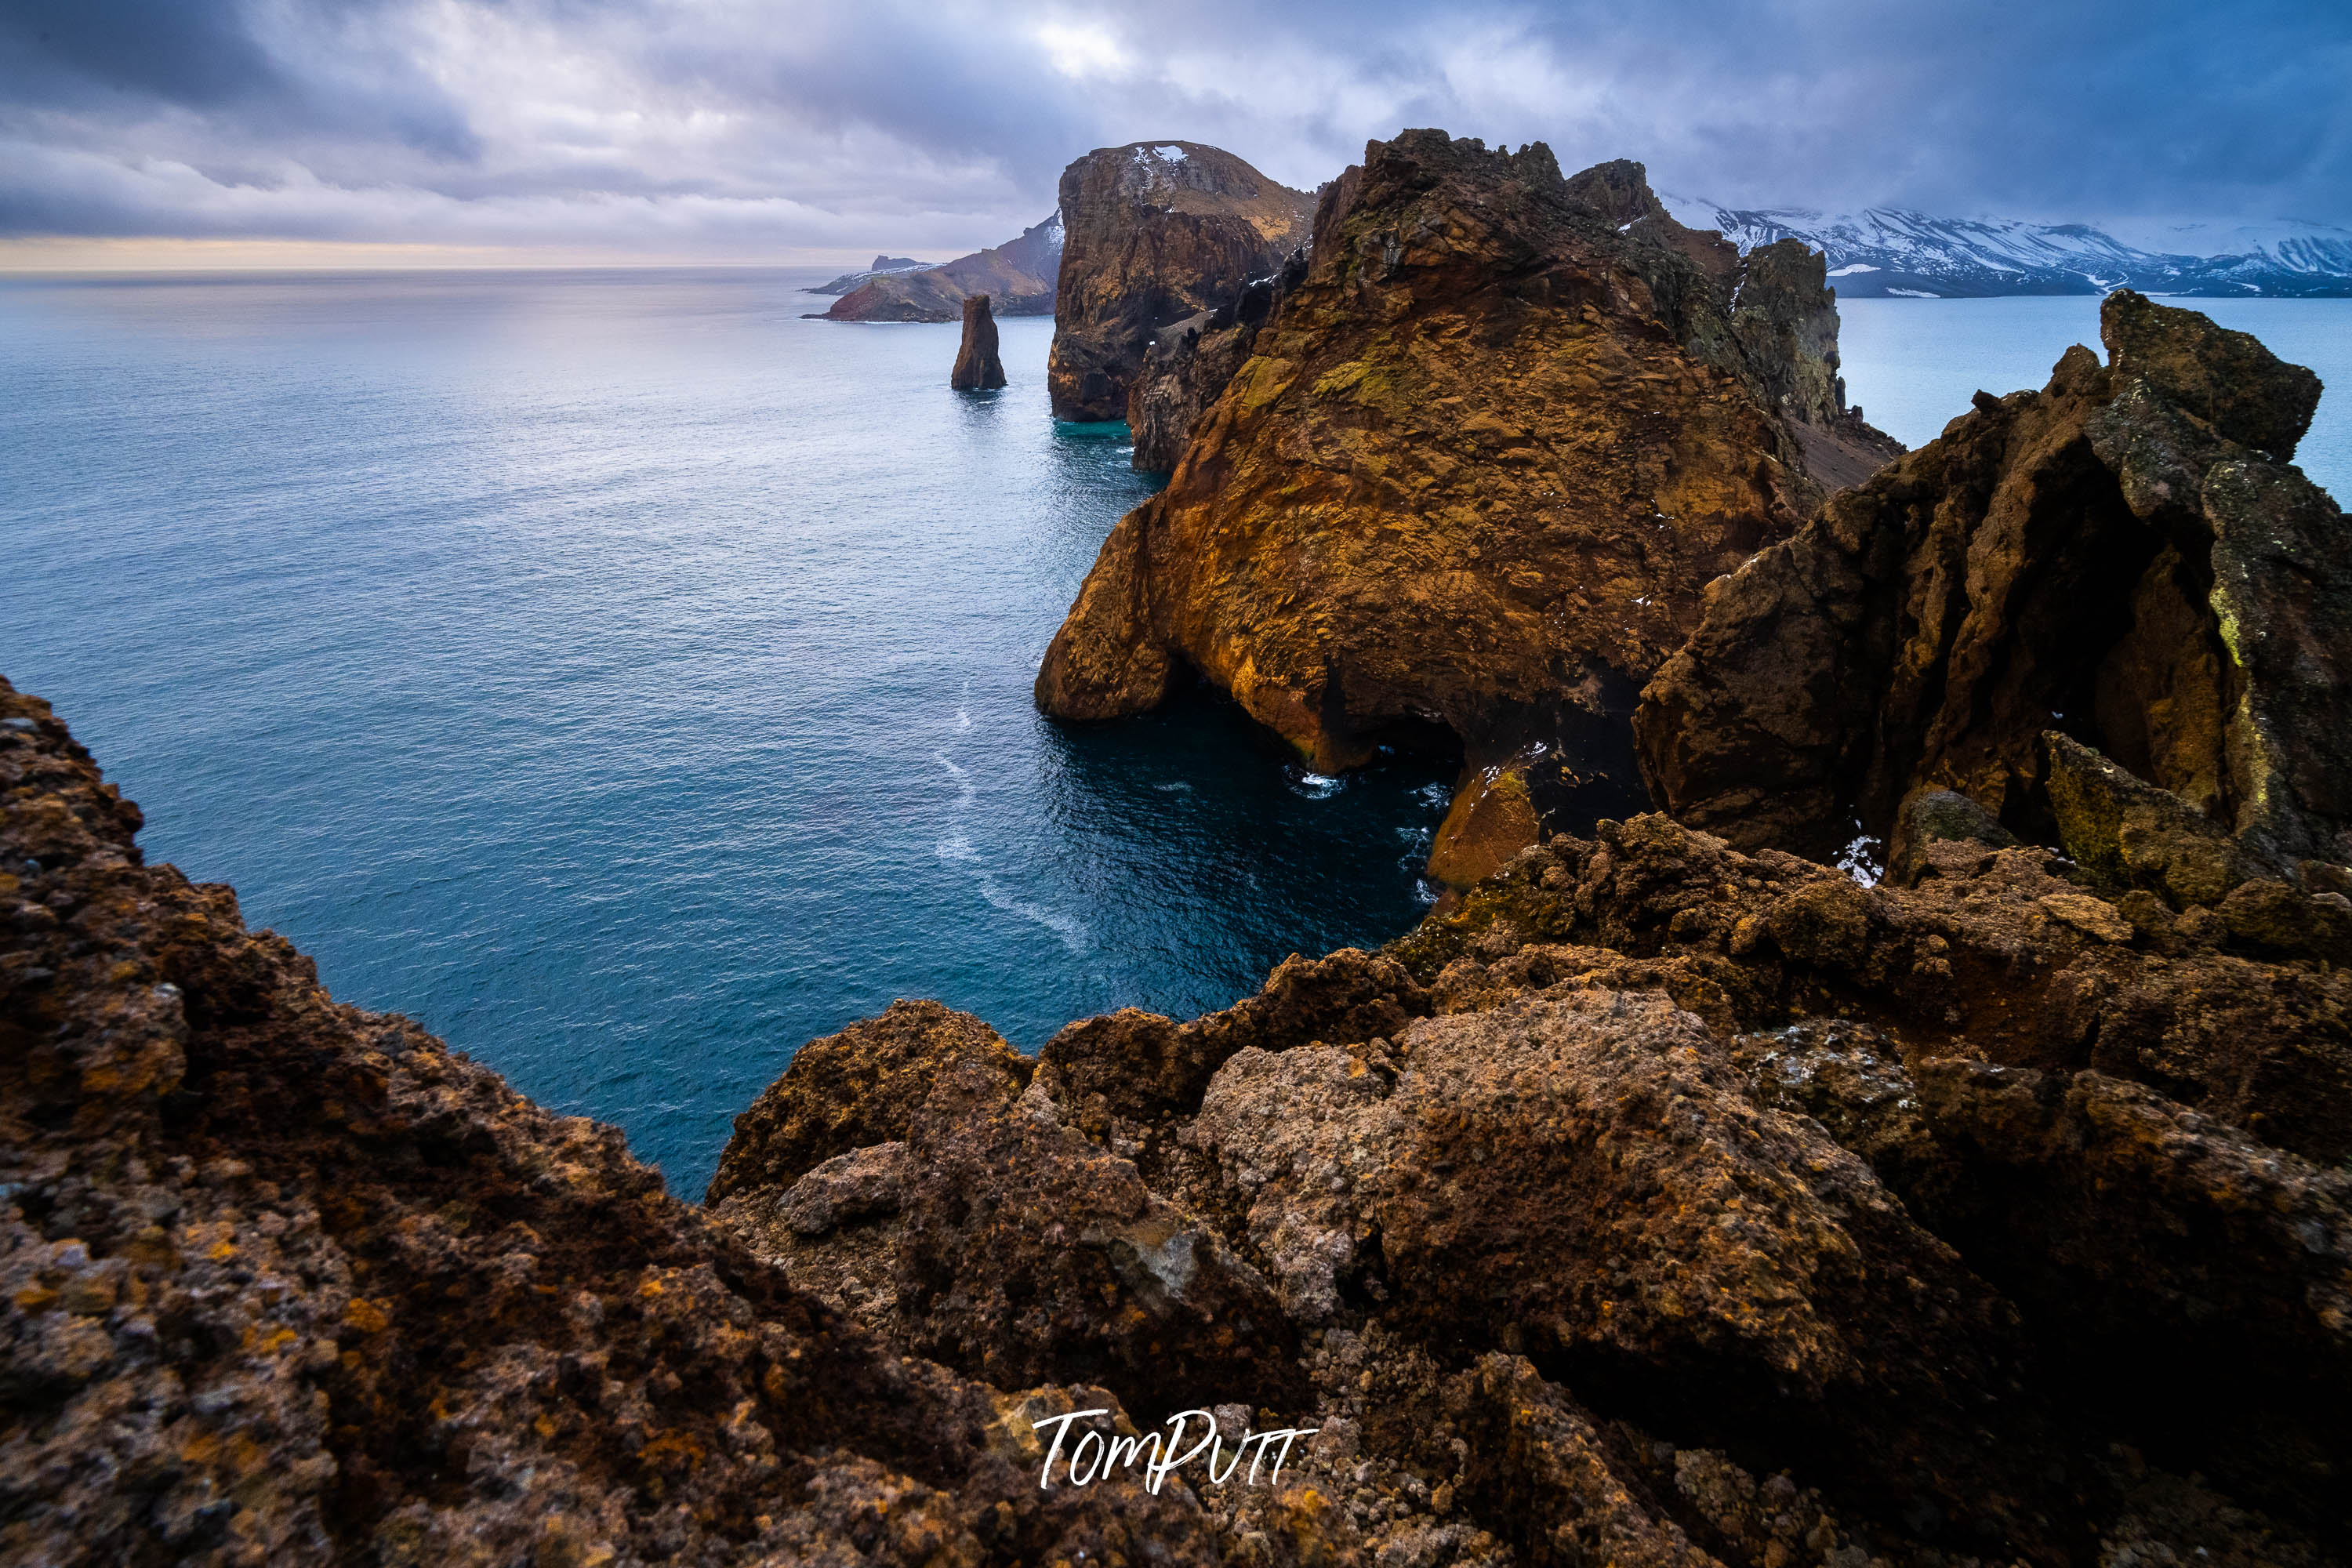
[1660, 1202]
[2126, 557]
[1158, 233]
[977, 368]
[1656, 1204]
[1018, 275]
[1467, 489]
[289, 1283]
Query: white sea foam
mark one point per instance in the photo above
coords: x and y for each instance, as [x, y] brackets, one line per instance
[1071, 929]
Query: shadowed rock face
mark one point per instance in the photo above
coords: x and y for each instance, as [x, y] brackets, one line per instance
[2126, 557]
[1472, 479]
[1190, 364]
[977, 368]
[1652, 1169]
[1158, 232]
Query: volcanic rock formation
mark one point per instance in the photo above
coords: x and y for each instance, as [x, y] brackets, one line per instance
[1158, 233]
[2126, 557]
[1469, 484]
[977, 368]
[1190, 361]
[1663, 1202]
[1018, 275]
[1656, 1204]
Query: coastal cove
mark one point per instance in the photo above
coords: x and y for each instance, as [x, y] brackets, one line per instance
[631, 680]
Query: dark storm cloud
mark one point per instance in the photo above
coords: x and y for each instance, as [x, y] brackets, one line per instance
[730, 126]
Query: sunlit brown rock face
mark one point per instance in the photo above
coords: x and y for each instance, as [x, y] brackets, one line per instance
[2126, 557]
[1468, 486]
[1157, 232]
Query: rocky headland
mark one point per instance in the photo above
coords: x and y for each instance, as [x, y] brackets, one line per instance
[849, 280]
[1159, 233]
[977, 367]
[1482, 452]
[1018, 275]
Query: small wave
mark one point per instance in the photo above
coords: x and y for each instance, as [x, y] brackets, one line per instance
[955, 848]
[1178, 788]
[1313, 786]
[1436, 793]
[1072, 931]
[965, 794]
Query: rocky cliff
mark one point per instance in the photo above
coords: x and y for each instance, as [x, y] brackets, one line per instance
[977, 368]
[1018, 275]
[1158, 233]
[2126, 557]
[1469, 485]
[1657, 1205]
[1190, 362]
[290, 1282]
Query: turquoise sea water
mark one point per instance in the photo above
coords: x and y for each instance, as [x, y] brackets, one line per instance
[630, 680]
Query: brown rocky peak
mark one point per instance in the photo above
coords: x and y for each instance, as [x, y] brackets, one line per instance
[977, 368]
[2104, 559]
[1466, 489]
[2227, 379]
[1620, 192]
[1155, 232]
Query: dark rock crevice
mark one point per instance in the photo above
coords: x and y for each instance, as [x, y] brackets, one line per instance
[2102, 558]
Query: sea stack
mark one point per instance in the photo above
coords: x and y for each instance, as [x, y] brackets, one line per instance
[977, 368]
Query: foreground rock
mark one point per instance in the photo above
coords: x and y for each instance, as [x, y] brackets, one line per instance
[1468, 486]
[1159, 233]
[2126, 558]
[1018, 275]
[1661, 1203]
[287, 1282]
[977, 368]
[1658, 1204]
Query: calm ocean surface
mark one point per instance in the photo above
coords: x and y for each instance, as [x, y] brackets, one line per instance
[630, 680]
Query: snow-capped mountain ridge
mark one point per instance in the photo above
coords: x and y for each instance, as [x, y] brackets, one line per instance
[1883, 251]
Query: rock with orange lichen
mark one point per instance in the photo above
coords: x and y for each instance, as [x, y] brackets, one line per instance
[1466, 489]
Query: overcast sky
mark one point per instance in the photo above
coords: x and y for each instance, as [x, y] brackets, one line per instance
[733, 130]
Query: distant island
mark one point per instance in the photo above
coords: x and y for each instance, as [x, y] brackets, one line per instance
[1017, 275]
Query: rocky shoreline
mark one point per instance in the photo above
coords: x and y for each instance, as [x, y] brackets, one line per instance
[1668, 1196]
